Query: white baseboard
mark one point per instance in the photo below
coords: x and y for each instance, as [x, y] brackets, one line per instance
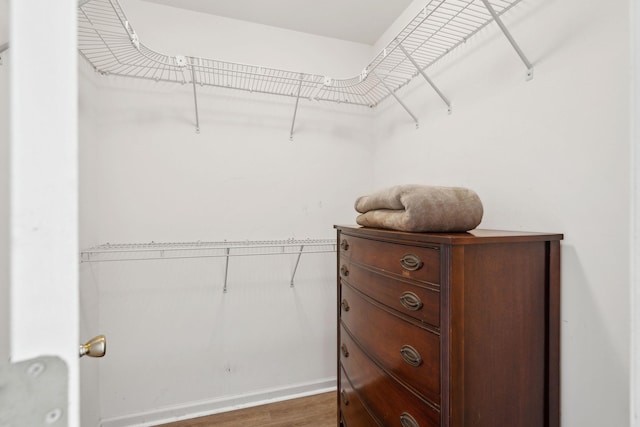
[215, 406]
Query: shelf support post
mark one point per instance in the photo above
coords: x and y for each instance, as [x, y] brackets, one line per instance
[226, 271]
[392, 93]
[421, 71]
[507, 34]
[195, 99]
[295, 111]
[296, 266]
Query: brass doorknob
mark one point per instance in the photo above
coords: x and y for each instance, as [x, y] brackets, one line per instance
[95, 347]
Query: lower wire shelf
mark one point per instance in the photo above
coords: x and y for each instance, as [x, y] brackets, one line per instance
[109, 252]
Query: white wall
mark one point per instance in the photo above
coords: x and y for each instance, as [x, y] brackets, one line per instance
[551, 154]
[178, 345]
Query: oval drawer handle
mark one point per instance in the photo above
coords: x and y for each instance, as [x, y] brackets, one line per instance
[344, 271]
[411, 355]
[345, 350]
[345, 305]
[411, 262]
[410, 301]
[407, 420]
[345, 399]
[344, 244]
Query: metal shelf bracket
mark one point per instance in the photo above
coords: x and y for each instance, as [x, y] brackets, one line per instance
[226, 271]
[392, 93]
[295, 110]
[507, 34]
[195, 98]
[295, 268]
[421, 71]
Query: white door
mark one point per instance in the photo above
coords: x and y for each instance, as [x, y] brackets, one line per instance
[42, 61]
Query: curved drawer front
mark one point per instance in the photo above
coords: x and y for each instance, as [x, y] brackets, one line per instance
[354, 413]
[386, 398]
[408, 298]
[417, 263]
[410, 353]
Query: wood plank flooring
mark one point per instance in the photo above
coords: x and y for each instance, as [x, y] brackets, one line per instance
[319, 410]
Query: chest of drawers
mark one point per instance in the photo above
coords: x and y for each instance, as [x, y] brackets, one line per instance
[448, 330]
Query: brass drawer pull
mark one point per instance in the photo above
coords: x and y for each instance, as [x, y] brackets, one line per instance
[345, 399]
[345, 305]
[410, 301]
[411, 356]
[411, 262]
[344, 271]
[345, 351]
[407, 420]
[344, 244]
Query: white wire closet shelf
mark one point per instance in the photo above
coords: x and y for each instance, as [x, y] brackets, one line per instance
[183, 250]
[108, 41]
[174, 250]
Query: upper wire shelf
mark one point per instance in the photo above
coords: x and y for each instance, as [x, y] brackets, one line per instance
[108, 41]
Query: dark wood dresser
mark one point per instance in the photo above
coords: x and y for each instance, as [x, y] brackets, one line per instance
[448, 330]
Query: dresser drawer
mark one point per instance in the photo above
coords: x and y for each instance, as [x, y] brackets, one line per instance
[417, 263]
[354, 414]
[388, 400]
[405, 350]
[406, 297]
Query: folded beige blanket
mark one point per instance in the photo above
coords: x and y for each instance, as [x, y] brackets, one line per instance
[421, 208]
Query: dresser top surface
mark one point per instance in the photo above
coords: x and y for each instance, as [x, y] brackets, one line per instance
[477, 236]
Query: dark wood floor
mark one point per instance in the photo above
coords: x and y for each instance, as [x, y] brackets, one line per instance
[313, 411]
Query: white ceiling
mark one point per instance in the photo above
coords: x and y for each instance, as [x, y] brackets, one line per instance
[362, 21]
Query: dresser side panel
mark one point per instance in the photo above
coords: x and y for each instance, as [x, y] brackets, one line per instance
[505, 291]
[553, 327]
[338, 301]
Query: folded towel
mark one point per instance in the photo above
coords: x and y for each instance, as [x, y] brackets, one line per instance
[421, 208]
